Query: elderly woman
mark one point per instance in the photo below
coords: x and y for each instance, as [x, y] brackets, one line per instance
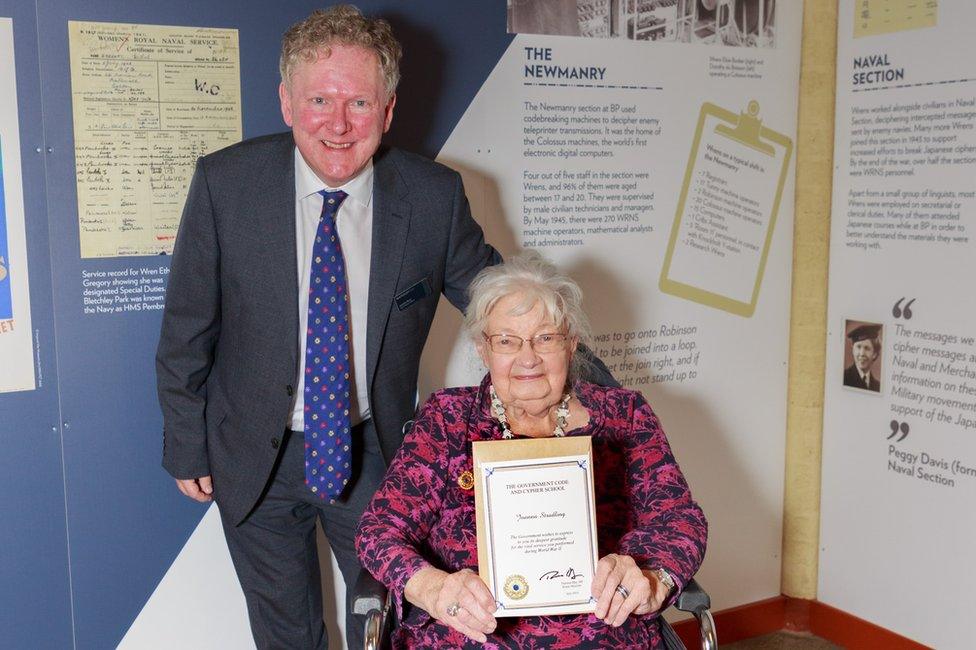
[418, 534]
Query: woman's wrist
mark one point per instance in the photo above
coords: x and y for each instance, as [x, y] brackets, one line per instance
[661, 588]
[422, 588]
[665, 579]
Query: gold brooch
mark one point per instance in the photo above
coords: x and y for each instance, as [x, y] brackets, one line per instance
[466, 480]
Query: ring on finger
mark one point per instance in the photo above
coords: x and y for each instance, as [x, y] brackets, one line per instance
[623, 591]
[453, 609]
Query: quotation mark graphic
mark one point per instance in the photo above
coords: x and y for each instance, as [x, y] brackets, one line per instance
[899, 426]
[898, 311]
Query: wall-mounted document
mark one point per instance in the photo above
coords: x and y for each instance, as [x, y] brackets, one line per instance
[727, 210]
[148, 100]
[536, 521]
[872, 17]
[16, 332]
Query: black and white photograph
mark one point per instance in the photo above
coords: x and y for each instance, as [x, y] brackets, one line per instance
[862, 355]
[737, 23]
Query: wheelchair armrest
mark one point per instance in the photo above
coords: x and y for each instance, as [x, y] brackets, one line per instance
[368, 594]
[694, 599]
[371, 599]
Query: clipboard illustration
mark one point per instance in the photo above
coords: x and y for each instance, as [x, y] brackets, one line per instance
[874, 17]
[727, 209]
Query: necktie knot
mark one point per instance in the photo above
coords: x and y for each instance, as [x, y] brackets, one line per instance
[332, 199]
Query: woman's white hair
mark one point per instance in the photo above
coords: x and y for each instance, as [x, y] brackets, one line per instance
[536, 280]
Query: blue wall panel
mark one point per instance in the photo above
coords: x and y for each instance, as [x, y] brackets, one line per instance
[36, 607]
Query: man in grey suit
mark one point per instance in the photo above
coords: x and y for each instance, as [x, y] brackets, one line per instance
[235, 352]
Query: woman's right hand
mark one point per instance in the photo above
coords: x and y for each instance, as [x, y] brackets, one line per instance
[459, 600]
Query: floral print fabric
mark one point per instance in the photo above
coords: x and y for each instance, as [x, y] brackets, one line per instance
[422, 516]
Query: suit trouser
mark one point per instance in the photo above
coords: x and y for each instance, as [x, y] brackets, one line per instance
[274, 548]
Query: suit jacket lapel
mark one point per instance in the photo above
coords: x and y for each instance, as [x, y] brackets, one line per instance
[391, 222]
[274, 202]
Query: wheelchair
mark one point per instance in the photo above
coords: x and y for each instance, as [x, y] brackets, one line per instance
[371, 603]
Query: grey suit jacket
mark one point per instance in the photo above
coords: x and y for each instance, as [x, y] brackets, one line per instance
[228, 350]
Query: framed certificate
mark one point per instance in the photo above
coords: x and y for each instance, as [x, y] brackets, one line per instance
[536, 522]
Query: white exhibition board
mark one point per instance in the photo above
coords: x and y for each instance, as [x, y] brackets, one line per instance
[899, 463]
[581, 148]
[201, 593]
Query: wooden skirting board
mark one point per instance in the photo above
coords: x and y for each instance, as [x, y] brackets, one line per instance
[796, 615]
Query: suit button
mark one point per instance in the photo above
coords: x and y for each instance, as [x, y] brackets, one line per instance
[274, 443]
[289, 390]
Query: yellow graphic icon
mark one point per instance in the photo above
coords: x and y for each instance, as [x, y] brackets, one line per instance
[516, 587]
[727, 209]
[873, 17]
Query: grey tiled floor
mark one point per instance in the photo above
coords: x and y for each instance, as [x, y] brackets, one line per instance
[782, 641]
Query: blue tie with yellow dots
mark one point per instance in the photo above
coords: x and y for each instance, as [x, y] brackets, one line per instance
[327, 439]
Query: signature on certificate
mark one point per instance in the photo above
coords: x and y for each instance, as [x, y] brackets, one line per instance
[569, 574]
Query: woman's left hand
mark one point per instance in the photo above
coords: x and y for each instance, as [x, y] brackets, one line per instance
[622, 588]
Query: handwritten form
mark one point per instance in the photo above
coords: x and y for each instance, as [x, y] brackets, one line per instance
[148, 100]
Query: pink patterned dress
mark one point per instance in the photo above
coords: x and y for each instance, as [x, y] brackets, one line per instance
[421, 516]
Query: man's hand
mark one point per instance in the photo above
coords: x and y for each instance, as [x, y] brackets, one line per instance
[198, 489]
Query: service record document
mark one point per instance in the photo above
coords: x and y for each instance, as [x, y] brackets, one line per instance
[537, 545]
[147, 101]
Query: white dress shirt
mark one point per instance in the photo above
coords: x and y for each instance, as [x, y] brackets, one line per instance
[355, 227]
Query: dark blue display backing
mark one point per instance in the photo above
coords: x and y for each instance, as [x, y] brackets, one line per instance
[36, 611]
[113, 509]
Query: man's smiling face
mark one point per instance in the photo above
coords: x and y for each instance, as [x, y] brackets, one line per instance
[338, 111]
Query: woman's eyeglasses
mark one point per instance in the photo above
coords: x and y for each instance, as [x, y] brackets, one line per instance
[541, 343]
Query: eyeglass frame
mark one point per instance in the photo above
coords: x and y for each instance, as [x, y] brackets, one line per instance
[488, 337]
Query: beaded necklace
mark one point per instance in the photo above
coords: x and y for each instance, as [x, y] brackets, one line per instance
[498, 410]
